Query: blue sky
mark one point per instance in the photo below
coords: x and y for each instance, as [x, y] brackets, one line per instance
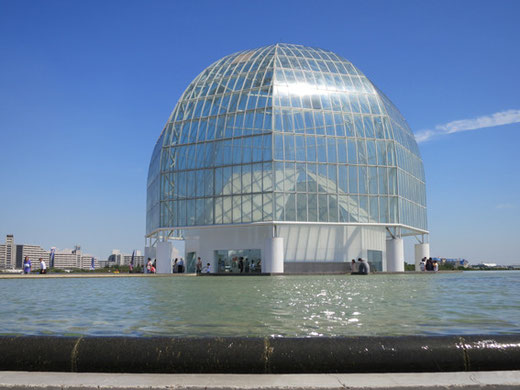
[86, 88]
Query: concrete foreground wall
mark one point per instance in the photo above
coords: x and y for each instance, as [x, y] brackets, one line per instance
[425, 381]
[260, 355]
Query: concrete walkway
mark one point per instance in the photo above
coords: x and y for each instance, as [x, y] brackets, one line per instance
[141, 275]
[86, 381]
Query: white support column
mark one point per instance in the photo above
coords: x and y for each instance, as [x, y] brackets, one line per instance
[421, 251]
[164, 257]
[395, 255]
[273, 255]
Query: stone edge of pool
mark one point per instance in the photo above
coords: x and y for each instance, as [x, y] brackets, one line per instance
[227, 355]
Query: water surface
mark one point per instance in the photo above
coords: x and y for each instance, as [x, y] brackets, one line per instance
[339, 305]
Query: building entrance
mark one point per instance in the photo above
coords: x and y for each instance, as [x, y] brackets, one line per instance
[190, 262]
[239, 261]
[375, 258]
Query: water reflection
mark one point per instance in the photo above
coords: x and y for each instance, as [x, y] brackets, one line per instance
[461, 303]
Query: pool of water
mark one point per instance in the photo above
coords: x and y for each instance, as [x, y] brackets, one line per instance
[342, 305]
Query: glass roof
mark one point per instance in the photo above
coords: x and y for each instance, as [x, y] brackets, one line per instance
[285, 133]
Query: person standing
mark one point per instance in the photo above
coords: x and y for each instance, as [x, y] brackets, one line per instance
[43, 266]
[198, 266]
[149, 266]
[435, 266]
[26, 265]
[241, 264]
[353, 266]
[180, 266]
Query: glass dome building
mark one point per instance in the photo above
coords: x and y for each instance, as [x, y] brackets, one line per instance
[287, 159]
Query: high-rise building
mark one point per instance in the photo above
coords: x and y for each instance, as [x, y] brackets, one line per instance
[8, 253]
[289, 155]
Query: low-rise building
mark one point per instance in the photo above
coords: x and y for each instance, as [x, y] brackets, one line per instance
[33, 252]
[119, 258]
[12, 256]
[456, 262]
[74, 258]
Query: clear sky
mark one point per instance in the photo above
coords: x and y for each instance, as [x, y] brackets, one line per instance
[87, 86]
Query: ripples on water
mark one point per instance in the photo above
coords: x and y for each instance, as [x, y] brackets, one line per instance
[415, 304]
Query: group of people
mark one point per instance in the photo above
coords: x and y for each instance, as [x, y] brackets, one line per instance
[428, 264]
[240, 264]
[27, 265]
[178, 266]
[199, 269]
[150, 267]
[360, 268]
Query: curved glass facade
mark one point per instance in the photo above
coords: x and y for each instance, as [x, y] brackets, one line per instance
[285, 133]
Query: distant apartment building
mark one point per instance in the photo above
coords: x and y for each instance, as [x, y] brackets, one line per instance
[118, 258]
[12, 256]
[33, 252]
[74, 258]
[8, 253]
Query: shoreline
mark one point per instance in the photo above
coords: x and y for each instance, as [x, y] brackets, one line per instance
[123, 275]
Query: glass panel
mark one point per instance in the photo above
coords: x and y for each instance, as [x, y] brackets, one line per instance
[372, 180]
[268, 207]
[290, 177]
[331, 150]
[301, 214]
[289, 147]
[300, 148]
[279, 207]
[280, 179]
[323, 208]
[246, 208]
[342, 179]
[290, 207]
[321, 149]
[257, 208]
[311, 148]
[374, 209]
[237, 182]
[312, 205]
[333, 208]
[371, 151]
[363, 209]
[227, 209]
[362, 182]
[237, 202]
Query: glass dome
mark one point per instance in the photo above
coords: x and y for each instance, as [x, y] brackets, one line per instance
[285, 133]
